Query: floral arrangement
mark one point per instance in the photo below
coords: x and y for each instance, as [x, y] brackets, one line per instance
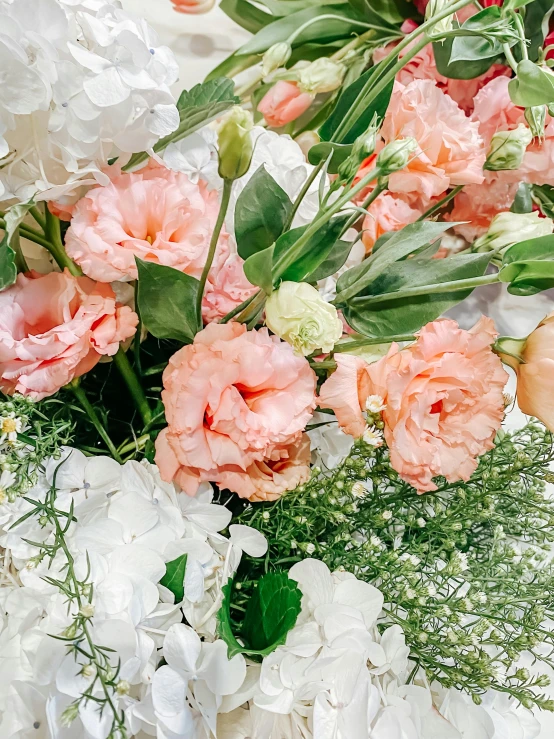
[254, 478]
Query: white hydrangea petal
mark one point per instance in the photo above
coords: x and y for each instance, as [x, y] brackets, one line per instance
[222, 675]
[168, 691]
[68, 679]
[107, 88]
[315, 581]
[138, 562]
[250, 540]
[182, 648]
[194, 580]
[362, 596]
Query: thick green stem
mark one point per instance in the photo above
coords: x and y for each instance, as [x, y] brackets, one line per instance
[37, 215]
[377, 190]
[302, 194]
[445, 287]
[135, 388]
[77, 390]
[442, 202]
[227, 186]
[239, 308]
[55, 245]
[347, 346]
[332, 17]
[29, 235]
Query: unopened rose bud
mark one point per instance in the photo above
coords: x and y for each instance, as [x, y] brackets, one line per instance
[234, 143]
[507, 148]
[396, 155]
[508, 228]
[536, 119]
[434, 7]
[276, 56]
[323, 75]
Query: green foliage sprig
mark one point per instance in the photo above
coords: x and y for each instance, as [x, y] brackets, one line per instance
[464, 570]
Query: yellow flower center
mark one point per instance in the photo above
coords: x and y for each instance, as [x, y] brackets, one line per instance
[9, 425]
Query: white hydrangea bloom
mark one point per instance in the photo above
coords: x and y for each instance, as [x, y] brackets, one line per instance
[84, 82]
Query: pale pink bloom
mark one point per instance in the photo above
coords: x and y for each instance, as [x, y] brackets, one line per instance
[389, 212]
[494, 110]
[156, 215]
[54, 328]
[283, 103]
[61, 210]
[423, 67]
[237, 403]
[228, 288]
[346, 392]
[193, 6]
[450, 150]
[443, 396]
[478, 204]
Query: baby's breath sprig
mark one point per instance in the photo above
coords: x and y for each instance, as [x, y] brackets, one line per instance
[465, 570]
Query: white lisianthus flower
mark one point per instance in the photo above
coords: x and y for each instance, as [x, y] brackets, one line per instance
[510, 228]
[297, 313]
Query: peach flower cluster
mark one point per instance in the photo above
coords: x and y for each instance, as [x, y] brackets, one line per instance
[56, 327]
[443, 396]
[237, 403]
[158, 216]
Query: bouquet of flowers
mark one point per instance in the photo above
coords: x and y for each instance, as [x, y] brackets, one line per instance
[254, 479]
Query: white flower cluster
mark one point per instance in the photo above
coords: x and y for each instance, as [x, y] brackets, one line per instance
[83, 81]
[129, 524]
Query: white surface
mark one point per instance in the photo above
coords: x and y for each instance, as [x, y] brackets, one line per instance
[200, 43]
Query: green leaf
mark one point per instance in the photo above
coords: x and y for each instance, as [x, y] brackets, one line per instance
[386, 315]
[537, 17]
[232, 65]
[347, 99]
[397, 246]
[523, 201]
[166, 300]
[461, 70]
[271, 613]
[532, 86]
[246, 15]
[472, 48]
[390, 11]
[544, 196]
[258, 269]
[197, 107]
[333, 263]
[324, 31]
[311, 255]
[8, 268]
[280, 8]
[540, 248]
[320, 153]
[528, 266]
[174, 578]
[262, 210]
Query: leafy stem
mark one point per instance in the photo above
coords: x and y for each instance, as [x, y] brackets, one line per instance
[77, 390]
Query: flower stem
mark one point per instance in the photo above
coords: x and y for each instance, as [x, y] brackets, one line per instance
[135, 388]
[302, 194]
[347, 346]
[55, 245]
[445, 287]
[37, 215]
[225, 197]
[443, 201]
[239, 308]
[77, 390]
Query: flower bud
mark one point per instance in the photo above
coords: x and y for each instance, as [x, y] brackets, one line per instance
[396, 155]
[323, 75]
[297, 313]
[508, 148]
[69, 715]
[536, 118]
[306, 140]
[235, 143]
[508, 228]
[434, 7]
[276, 56]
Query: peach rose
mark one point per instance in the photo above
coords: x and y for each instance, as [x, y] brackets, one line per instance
[443, 396]
[451, 151]
[236, 403]
[56, 327]
[535, 372]
[283, 103]
[389, 212]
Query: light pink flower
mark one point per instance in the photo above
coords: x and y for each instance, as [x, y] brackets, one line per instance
[193, 6]
[443, 396]
[283, 103]
[236, 403]
[54, 328]
[450, 151]
[346, 391]
[478, 204]
[389, 212]
[228, 288]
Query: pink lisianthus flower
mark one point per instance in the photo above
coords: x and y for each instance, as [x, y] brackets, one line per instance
[237, 403]
[389, 212]
[56, 327]
[283, 103]
[443, 399]
[476, 205]
[450, 149]
[158, 216]
[193, 7]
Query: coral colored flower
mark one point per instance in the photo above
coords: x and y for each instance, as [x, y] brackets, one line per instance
[346, 393]
[476, 205]
[283, 103]
[535, 372]
[443, 396]
[451, 151]
[193, 6]
[236, 403]
[158, 216]
[56, 327]
[389, 212]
